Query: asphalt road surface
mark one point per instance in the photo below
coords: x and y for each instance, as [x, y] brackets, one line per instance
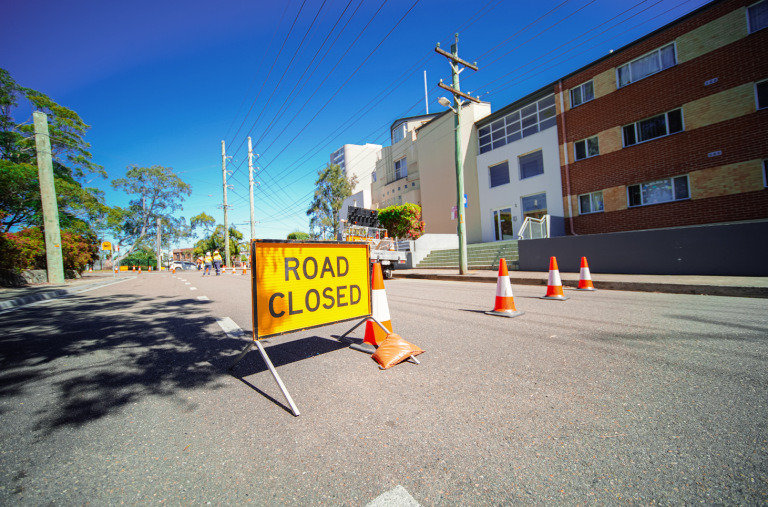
[121, 396]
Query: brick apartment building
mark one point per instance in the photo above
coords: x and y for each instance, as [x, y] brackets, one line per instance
[671, 130]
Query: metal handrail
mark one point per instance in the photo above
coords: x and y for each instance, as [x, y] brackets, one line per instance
[534, 228]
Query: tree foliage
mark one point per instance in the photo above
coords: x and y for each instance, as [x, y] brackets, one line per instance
[157, 192]
[331, 188]
[402, 221]
[298, 235]
[25, 249]
[215, 241]
[79, 207]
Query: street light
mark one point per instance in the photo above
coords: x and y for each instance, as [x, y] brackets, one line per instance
[444, 102]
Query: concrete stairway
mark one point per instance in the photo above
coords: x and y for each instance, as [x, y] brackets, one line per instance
[479, 256]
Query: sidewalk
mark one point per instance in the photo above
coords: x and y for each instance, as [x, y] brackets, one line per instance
[12, 297]
[736, 286]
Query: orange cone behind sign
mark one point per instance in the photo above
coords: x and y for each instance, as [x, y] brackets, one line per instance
[244, 270]
[554, 285]
[379, 309]
[505, 301]
[585, 278]
[233, 270]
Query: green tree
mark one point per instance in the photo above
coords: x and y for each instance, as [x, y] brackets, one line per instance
[79, 207]
[331, 188]
[402, 221]
[215, 241]
[299, 235]
[158, 193]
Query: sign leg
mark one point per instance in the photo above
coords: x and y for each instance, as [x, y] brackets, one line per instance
[277, 379]
[353, 328]
[242, 355]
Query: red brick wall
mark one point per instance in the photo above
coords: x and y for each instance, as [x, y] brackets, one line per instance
[740, 139]
[728, 208]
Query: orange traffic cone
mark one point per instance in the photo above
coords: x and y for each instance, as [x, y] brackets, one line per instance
[139, 269]
[90, 269]
[505, 301]
[554, 285]
[233, 270]
[585, 279]
[150, 268]
[380, 309]
[244, 270]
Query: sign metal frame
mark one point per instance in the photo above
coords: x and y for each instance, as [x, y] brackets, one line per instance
[256, 338]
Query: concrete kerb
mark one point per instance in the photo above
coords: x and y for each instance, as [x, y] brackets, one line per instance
[665, 288]
[57, 293]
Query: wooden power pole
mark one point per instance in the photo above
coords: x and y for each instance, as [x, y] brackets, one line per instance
[53, 257]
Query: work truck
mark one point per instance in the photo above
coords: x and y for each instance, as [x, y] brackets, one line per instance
[363, 225]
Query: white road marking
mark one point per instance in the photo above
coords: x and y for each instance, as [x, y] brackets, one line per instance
[397, 497]
[203, 298]
[229, 327]
[188, 283]
[193, 288]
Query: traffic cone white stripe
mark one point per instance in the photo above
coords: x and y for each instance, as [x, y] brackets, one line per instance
[504, 287]
[554, 278]
[584, 274]
[379, 306]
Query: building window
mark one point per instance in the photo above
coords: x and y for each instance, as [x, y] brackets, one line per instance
[502, 224]
[373, 176]
[765, 173]
[647, 65]
[401, 168]
[652, 128]
[398, 133]
[586, 148]
[534, 206]
[762, 92]
[499, 174]
[533, 118]
[757, 16]
[659, 191]
[591, 203]
[582, 94]
[531, 165]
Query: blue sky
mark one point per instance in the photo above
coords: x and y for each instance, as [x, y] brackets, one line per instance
[163, 83]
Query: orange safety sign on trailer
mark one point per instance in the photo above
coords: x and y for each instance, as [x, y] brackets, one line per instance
[301, 285]
[106, 245]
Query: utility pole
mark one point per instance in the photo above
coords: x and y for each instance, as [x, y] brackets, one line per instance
[226, 208]
[250, 186]
[426, 93]
[453, 56]
[159, 251]
[53, 257]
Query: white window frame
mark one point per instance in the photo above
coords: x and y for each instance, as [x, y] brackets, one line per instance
[509, 174]
[765, 173]
[637, 135]
[629, 63]
[746, 11]
[586, 147]
[394, 172]
[757, 99]
[581, 212]
[402, 126]
[520, 118]
[673, 178]
[582, 85]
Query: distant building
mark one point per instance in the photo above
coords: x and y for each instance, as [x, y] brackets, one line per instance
[183, 254]
[359, 161]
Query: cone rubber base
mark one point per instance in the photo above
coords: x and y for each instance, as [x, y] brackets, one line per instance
[506, 314]
[591, 290]
[363, 347]
[554, 298]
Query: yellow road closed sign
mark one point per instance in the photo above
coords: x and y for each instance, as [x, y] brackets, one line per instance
[106, 245]
[301, 285]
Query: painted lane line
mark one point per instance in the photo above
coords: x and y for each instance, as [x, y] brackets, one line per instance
[229, 327]
[203, 298]
[397, 497]
[193, 288]
[188, 283]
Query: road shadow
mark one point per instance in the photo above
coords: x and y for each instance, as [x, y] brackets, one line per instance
[280, 354]
[97, 355]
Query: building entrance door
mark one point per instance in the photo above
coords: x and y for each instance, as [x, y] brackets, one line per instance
[502, 224]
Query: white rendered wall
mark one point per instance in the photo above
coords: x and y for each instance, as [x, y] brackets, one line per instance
[509, 195]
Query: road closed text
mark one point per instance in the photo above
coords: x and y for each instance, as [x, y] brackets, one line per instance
[300, 285]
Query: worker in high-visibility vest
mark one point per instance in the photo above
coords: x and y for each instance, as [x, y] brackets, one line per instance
[217, 262]
[208, 264]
